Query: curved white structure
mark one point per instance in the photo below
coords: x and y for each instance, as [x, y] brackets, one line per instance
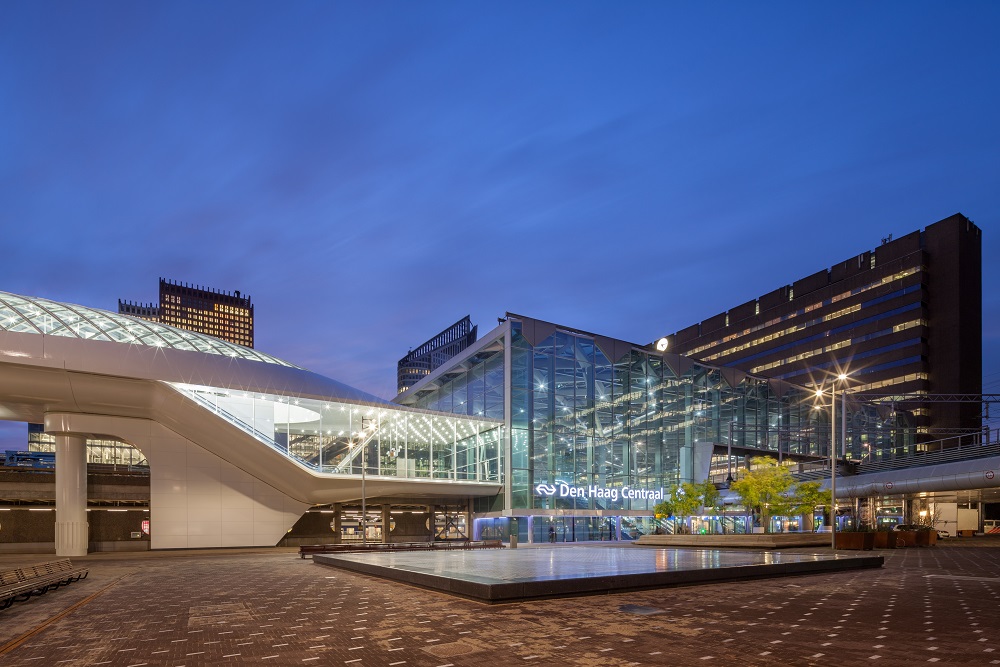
[239, 443]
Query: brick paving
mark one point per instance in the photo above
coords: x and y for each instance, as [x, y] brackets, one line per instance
[933, 605]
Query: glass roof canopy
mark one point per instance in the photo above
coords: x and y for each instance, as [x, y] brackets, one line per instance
[34, 315]
[338, 438]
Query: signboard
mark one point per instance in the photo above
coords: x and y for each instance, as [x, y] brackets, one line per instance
[611, 493]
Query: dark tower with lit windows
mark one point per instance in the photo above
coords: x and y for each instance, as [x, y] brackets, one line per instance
[904, 318]
[225, 315]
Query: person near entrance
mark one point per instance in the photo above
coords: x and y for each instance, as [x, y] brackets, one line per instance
[552, 534]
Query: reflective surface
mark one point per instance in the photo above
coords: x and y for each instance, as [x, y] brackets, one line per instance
[549, 563]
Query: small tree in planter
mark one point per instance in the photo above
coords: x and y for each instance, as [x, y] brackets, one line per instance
[685, 500]
[710, 497]
[804, 500]
[665, 508]
[763, 489]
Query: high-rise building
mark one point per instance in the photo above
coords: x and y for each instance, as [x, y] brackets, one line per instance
[904, 318]
[225, 315]
[418, 363]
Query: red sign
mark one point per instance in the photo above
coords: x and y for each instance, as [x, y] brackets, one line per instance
[888, 486]
[989, 474]
[145, 526]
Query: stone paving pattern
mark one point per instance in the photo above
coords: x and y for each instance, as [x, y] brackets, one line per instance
[932, 605]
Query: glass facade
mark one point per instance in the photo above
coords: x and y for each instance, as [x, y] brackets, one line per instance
[337, 438]
[99, 451]
[613, 429]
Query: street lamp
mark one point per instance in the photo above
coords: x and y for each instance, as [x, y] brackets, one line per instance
[729, 454]
[364, 496]
[833, 453]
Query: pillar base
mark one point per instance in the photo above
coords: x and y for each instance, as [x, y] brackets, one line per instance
[71, 538]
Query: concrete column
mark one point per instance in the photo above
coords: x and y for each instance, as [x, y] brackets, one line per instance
[71, 496]
[386, 517]
[337, 512]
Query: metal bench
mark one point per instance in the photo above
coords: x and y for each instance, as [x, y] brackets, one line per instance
[20, 584]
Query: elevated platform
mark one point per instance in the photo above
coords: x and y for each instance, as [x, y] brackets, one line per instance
[513, 575]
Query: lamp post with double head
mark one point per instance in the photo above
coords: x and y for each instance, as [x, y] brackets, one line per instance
[833, 455]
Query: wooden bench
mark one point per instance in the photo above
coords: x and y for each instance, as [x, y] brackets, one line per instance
[310, 549]
[20, 584]
[485, 544]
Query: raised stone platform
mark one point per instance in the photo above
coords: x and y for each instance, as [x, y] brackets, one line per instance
[519, 574]
[737, 541]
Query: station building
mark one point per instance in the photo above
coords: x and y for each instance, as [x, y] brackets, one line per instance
[536, 429]
[535, 425]
[596, 429]
[239, 444]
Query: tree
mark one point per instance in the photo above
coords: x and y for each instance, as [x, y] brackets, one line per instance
[664, 508]
[687, 499]
[805, 498]
[764, 489]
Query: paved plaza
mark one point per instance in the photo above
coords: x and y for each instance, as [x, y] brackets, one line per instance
[933, 605]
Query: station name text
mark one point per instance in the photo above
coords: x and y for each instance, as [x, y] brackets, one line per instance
[563, 490]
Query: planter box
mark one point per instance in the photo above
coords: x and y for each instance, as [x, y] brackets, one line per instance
[906, 538]
[857, 541]
[926, 538]
[885, 539]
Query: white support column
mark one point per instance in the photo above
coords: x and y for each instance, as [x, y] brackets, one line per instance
[71, 496]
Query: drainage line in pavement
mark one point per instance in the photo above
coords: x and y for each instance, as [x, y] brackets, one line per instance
[14, 643]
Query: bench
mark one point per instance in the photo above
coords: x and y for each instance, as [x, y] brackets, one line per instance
[20, 584]
[310, 549]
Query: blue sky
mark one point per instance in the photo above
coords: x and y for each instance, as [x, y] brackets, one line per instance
[371, 172]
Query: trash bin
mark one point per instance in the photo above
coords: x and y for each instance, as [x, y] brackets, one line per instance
[513, 540]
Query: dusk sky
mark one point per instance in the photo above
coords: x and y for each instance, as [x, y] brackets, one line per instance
[372, 172]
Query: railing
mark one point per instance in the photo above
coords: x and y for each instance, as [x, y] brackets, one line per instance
[339, 468]
[917, 459]
[239, 423]
[912, 460]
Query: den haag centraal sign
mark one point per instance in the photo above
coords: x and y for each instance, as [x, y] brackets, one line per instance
[612, 493]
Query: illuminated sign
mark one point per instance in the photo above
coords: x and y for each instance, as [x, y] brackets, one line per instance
[612, 493]
[662, 344]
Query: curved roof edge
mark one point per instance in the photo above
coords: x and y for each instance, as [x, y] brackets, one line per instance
[23, 314]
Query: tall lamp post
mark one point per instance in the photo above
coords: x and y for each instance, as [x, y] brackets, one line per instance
[364, 496]
[833, 455]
